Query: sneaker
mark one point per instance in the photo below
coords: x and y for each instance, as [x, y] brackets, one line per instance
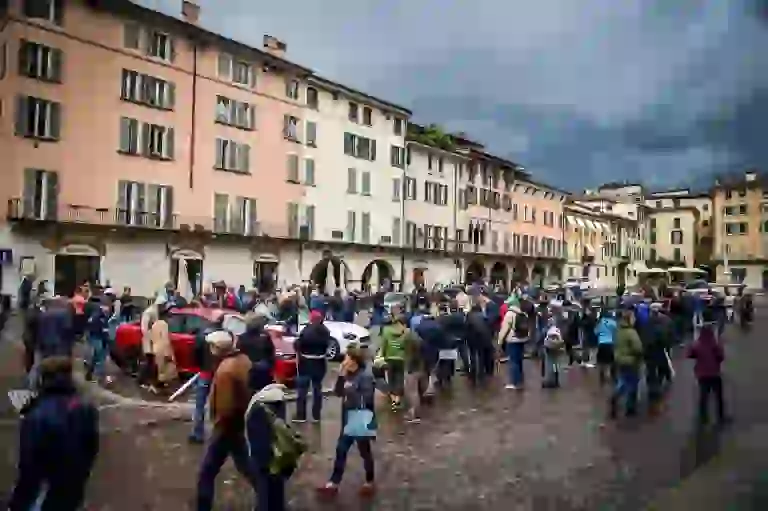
[314, 420]
[509, 386]
[329, 489]
[299, 420]
[589, 365]
[367, 490]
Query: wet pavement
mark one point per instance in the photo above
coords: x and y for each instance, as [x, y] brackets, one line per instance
[486, 448]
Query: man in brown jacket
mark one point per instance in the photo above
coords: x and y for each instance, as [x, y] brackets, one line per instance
[229, 400]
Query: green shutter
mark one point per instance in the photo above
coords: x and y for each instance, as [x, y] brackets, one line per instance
[30, 189]
[310, 223]
[21, 123]
[51, 196]
[220, 207]
[168, 208]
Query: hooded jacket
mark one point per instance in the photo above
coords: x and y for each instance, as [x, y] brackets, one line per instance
[628, 348]
[394, 341]
[708, 354]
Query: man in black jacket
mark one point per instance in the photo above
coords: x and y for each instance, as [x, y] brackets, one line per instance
[480, 342]
[311, 347]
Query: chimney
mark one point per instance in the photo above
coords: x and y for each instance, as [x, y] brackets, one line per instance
[190, 11]
[750, 176]
[275, 46]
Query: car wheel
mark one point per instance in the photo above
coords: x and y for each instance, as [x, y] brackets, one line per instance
[334, 350]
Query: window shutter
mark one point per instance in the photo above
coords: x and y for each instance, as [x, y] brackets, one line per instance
[57, 57]
[311, 133]
[170, 95]
[293, 168]
[153, 205]
[225, 66]
[252, 117]
[252, 76]
[396, 226]
[168, 222]
[52, 195]
[30, 187]
[349, 144]
[220, 157]
[22, 105]
[351, 225]
[351, 181]
[310, 221]
[373, 150]
[220, 207]
[309, 172]
[171, 51]
[366, 184]
[169, 147]
[122, 201]
[237, 219]
[366, 227]
[58, 12]
[141, 200]
[253, 227]
[145, 138]
[125, 134]
[396, 190]
[245, 158]
[293, 220]
[55, 109]
[24, 57]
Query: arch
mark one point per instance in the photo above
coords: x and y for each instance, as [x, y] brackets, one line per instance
[386, 274]
[319, 275]
[79, 249]
[499, 275]
[520, 272]
[475, 272]
[538, 274]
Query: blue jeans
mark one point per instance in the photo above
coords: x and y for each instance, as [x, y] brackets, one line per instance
[219, 449]
[627, 382]
[342, 449]
[515, 352]
[202, 389]
[98, 358]
[311, 372]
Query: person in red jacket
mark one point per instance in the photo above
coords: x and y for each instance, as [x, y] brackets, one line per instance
[709, 355]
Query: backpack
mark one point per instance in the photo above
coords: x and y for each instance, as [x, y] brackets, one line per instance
[522, 325]
[287, 445]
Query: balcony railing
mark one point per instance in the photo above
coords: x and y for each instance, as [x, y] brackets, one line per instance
[20, 210]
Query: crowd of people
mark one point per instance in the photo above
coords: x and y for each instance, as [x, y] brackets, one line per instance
[423, 344]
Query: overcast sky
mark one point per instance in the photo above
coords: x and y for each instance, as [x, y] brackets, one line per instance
[577, 91]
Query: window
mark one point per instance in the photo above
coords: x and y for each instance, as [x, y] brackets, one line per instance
[236, 71]
[676, 223]
[743, 209]
[39, 61]
[37, 118]
[147, 90]
[236, 215]
[351, 181]
[235, 113]
[292, 168]
[367, 116]
[232, 156]
[313, 98]
[676, 237]
[352, 115]
[311, 134]
[410, 188]
[351, 224]
[309, 172]
[41, 194]
[396, 227]
[292, 89]
[48, 10]
[398, 126]
[160, 46]
[736, 228]
[397, 156]
[309, 222]
[359, 147]
[705, 223]
[397, 186]
[676, 255]
[366, 228]
[435, 193]
[705, 207]
[653, 223]
[365, 183]
[150, 140]
[658, 203]
[291, 128]
[142, 204]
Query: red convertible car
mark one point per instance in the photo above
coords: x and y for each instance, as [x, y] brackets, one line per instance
[184, 324]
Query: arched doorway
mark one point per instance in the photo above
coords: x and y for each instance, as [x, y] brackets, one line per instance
[538, 274]
[499, 275]
[329, 274]
[186, 272]
[475, 273]
[519, 272]
[378, 274]
[75, 265]
[265, 273]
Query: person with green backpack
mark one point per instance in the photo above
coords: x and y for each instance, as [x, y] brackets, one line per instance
[274, 448]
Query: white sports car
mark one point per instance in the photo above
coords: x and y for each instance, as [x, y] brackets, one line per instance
[342, 333]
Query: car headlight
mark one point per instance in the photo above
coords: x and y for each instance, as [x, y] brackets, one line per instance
[349, 336]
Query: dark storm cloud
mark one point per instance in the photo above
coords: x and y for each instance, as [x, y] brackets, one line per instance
[577, 92]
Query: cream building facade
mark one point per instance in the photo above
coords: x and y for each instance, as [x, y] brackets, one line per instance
[674, 235]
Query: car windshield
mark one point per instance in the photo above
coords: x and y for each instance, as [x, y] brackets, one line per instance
[697, 284]
[394, 298]
[234, 324]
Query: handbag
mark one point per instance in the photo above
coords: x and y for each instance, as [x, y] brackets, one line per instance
[360, 424]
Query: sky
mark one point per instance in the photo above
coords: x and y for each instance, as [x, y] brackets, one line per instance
[579, 92]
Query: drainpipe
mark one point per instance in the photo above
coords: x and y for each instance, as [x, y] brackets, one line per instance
[194, 118]
[403, 230]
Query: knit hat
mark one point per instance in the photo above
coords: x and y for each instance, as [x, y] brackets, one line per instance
[220, 340]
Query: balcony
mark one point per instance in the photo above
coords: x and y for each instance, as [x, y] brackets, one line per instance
[73, 214]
